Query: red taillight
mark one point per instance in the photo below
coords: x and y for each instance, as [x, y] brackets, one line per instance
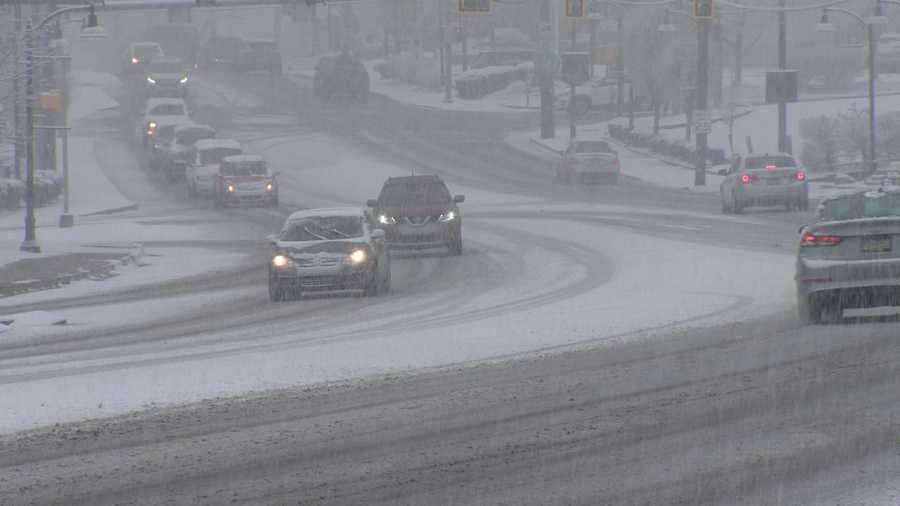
[801, 176]
[196, 66]
[810, 239]
[745, 178]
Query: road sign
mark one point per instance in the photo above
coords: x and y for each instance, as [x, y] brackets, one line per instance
[474, 6]
[703, 9]
[575, 9]
[595, 9]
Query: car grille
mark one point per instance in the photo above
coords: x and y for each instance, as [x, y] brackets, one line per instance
[319, 281]
[306, 263]
[418, 220]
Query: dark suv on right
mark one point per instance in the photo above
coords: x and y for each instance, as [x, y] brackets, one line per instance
[418, 212]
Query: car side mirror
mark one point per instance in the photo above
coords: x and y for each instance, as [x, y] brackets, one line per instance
[459, 199]
[378, 234]
[372, 203]
[273, 239]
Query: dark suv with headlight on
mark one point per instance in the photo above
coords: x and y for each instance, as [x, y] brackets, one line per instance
[418, 212]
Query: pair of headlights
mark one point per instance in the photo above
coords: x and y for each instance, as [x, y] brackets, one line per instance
[389, 220]
[356, 257]
[269, 187]
[183, 80]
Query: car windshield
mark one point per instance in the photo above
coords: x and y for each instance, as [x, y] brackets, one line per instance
[215, 155]
[324, 228]
[165, 133]
[167, 110]
[592, 147]
[414, 194]
[146, 50]
[193, 135]
[166, 67]
[244, 169]
[763, 162]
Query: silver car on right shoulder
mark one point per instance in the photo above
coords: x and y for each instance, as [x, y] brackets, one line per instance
[849, 260]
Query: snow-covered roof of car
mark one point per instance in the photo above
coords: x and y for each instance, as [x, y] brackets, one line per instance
[243, 159]
[189, 126]
[328, 211]
[153, 102]
[205, 144]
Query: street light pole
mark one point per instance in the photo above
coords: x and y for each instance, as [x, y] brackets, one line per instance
[873, 161]
[782, 65]
[17, 120]
[702, 97]
[30, 243]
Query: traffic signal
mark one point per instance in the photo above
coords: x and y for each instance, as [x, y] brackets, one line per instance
[575, 8]
[703, 9]
[474, 6]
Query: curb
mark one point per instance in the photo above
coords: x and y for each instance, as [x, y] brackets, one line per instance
[113, 210]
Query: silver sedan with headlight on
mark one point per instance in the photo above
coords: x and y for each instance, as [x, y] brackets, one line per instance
[325, 250]
[849, 260]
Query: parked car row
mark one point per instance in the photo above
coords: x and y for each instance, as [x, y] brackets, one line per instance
[47, 187]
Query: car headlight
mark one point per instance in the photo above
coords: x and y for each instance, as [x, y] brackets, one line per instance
[357, 256]
[231, 188]
[386, 220]
[270, 187]
[448, 216]
[280, 260]
[183, 79]
[151, 80]
[134, 60]
[151, 125]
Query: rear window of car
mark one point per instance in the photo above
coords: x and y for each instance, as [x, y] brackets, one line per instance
[244, 169]
[169, 67]
[761, 162]
[216, 155]
[145, 50]
[193, 135]
[324, 228]
[167, 110]
[592, 147]
[413, 194]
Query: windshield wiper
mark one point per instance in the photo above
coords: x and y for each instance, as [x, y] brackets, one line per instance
[336, 231]
[310, 232]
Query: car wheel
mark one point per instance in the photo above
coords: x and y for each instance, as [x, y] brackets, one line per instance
[736, 205]
[725, 208]
[373, 286]
[809, 311]
[456, 247]
[276, 291]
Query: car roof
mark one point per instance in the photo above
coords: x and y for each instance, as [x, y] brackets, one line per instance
[190, 126]
[327, 211]
[243, 158]
[414, 179]
[145, 43]
[203, 144]
[166, 60]
[153, 102]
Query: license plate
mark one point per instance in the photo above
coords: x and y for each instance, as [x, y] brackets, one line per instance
[876, 244]
[774, 180]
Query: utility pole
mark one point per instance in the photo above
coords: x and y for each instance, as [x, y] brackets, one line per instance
[17, 98]
[873, 160]
[546, 73]
[702, 98]
[448, 57]
[30, 243]
[620, 61]
[782, 65]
